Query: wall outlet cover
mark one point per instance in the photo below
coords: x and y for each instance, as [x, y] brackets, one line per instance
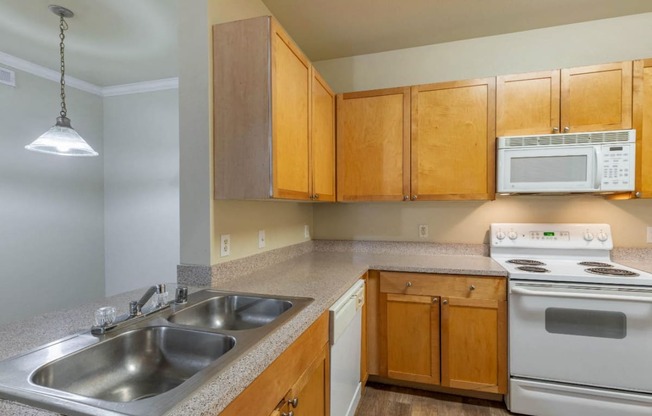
[649, 234]
[306, 231]
[225, 245]
[423, 230]
[261, 238]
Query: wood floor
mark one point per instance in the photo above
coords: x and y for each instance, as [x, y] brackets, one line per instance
[382, 400]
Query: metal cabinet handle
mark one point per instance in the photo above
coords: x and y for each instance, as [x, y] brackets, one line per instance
[406, 198]
[414, 197]
[445, 301]
[408, 284]
[294, 402]
[566, 129]
[290, 413]
[472, 287]
[435, 300]
[316, 196]
[555, 129]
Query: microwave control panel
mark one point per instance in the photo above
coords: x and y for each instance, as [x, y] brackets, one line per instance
[617, 166]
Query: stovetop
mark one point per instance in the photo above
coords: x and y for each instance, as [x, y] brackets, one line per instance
[577, 253]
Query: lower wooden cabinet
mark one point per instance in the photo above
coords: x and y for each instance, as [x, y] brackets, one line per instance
[443, 330]
[298, 381]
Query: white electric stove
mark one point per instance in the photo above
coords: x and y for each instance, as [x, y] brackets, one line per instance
[580, 325]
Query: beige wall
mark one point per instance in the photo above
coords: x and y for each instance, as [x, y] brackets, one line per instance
[563, 46]
[468, 221]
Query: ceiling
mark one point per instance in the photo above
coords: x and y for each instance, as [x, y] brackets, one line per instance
[109, 42]
[326, 29]
[112, 42]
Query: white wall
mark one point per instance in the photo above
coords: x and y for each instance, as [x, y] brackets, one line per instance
[141, 189]
[580, 44]
[51, 208]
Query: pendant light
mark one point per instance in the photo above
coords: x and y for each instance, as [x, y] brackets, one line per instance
[62, 139]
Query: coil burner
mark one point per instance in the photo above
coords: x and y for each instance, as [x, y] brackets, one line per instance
[594, 264]
[607, 271]
[526, 262]
[533, 269]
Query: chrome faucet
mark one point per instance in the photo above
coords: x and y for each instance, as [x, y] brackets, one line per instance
[136, 308]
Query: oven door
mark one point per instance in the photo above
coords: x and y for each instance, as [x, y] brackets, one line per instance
[550, 169]
[594, 335]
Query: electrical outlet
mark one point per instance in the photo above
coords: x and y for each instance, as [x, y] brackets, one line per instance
[306, 231]
[649, 234]
[261, 238]
[225, 246]
[423, 230]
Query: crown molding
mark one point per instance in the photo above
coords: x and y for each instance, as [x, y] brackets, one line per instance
[110, 91]
[138, 87]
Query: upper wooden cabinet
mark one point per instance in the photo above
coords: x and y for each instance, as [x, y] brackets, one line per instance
[322, 153]
[643, 125]
[263, 113]
[373, 145]
[445, 152]
[453, 140]
[590, 98]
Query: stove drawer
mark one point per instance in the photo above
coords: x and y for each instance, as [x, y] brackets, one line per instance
[458, 286]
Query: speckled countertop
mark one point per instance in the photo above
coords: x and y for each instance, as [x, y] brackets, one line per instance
[324, 276]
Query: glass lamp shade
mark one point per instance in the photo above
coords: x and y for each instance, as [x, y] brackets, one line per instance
[62, 140]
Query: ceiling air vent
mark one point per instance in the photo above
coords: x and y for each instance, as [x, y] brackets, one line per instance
[7, 77]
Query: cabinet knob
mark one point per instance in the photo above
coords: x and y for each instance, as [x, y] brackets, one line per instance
[290, 413]
[316, 196]
[435, 300]
[414, 197]
[445, 301]
[472, 287]
[408, 284]
[555, 129]
[566, 129]
[294, 402]
[637, 194]
[406, 198]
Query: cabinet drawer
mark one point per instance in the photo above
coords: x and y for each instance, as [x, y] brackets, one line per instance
[459, 286]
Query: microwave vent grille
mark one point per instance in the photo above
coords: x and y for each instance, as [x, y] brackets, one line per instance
[570, 138]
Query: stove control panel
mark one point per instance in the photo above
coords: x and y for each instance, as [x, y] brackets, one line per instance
[553, 236]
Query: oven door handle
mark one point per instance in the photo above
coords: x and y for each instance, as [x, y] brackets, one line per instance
[522, 291]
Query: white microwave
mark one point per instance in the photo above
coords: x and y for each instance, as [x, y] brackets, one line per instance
[566, 163]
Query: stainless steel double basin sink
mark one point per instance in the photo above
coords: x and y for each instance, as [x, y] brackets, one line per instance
[150, 364]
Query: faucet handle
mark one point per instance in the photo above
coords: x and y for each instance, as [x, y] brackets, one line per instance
[134, 308]
[181, 295]
[105, 316]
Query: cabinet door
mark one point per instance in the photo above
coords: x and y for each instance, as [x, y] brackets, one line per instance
[310, 393]
[411, 337]
[453, 140]
[322, 140]
[597, 97]
[373, 145]
[474, 344]
[643, 126]
[527, 103]
[290, 123]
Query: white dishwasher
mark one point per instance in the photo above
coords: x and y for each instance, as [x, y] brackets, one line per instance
[345, 339]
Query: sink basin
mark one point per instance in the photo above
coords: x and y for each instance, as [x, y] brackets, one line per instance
[232, 312]
[146, 365]
[135, 365]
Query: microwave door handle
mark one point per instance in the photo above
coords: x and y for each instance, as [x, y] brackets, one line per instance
[522, 291]
[598, 168]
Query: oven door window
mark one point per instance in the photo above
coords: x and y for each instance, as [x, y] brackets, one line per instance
[586, 323]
